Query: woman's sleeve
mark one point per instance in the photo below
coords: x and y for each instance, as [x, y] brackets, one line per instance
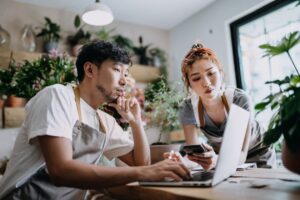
[186, 114]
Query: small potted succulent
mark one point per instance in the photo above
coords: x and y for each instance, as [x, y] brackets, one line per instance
[50, 34]
[286, 104]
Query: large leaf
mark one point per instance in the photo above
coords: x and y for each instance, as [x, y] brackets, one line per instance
[272, 135]
[283, 46]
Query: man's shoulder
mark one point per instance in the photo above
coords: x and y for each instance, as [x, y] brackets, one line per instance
[57, 91]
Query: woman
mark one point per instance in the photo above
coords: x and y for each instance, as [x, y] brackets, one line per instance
[208, 106]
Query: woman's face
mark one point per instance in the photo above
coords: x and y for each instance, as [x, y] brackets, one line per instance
[205, 79]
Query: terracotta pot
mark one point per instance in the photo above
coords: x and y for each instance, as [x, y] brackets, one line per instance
[290, 160]
[14, 101]
[1, 103]
[157, 151]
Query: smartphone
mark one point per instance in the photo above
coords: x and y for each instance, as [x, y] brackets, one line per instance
[194, 149]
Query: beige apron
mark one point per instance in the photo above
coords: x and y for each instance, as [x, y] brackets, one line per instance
[87, 143]
[262, 155]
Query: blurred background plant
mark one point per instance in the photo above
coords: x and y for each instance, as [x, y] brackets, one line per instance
[162, 106]
[80, 37]
[50, 34]
[285, 103]
[142, 52]
[158, 57]
[27, 78]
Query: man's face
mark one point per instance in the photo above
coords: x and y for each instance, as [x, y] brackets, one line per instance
[111, 80]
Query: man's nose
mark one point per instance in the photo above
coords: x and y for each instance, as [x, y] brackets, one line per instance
[123, 80]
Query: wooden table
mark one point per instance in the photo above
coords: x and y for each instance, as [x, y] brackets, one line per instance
[245, 185]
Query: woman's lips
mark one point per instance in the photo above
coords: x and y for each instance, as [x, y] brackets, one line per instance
[208, 91]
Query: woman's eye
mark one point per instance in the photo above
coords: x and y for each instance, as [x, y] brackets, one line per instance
[211, 73]
[196, 79]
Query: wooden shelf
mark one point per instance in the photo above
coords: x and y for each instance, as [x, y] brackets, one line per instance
[141, 73]
[18, 56]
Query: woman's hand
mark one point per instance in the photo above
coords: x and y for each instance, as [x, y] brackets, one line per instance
[207, 159]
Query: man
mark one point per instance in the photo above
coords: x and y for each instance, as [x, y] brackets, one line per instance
[64, 135]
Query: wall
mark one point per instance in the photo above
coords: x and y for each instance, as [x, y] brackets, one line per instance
[14, 15]
[211, 27]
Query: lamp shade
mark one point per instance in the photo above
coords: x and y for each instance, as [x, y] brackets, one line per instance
[97, 14]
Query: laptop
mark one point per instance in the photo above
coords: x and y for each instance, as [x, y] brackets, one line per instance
[229, 154]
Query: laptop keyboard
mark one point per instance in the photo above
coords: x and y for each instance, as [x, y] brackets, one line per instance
[202, 176]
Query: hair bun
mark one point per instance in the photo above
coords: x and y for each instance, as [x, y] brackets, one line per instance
[197, 45]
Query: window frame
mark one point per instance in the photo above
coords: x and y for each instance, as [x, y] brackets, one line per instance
[234, 26]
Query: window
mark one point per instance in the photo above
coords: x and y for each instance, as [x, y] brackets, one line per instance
[266, 25]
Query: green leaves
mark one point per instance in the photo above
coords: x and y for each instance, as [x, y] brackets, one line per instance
[286, 104]
[163, 104]
[77, 21]
[50, 31]
[282, 46]
[28, 78]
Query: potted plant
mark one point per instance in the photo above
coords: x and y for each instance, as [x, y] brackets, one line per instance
[50, 35]
[8, 86]
[286, 104]
[158, 57]
[79, 38]
[142, 52]
[162, 108]
[28, 78]
[123, 42]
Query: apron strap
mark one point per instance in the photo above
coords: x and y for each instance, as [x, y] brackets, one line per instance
[225, 102]
[77, 100]
[201, 111]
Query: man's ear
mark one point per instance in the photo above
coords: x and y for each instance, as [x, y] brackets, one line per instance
[88, 69]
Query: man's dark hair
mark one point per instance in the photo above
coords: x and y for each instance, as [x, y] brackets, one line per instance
[97, 52]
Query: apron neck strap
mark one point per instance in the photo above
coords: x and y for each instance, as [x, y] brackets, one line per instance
[201, 110]
[77, 100]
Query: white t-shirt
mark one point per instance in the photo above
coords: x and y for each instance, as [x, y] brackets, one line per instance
[53, 112]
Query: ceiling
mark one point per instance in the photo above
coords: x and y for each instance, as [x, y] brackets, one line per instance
[163, 14]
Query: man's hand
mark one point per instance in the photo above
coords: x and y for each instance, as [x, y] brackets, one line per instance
[207, 160]
[165, 169]
[129, 109]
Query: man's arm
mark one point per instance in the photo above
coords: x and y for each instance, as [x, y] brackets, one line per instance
[64, 171]
[140, 155]
[130, 110]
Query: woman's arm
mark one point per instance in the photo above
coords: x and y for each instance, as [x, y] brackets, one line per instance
[190, 133]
